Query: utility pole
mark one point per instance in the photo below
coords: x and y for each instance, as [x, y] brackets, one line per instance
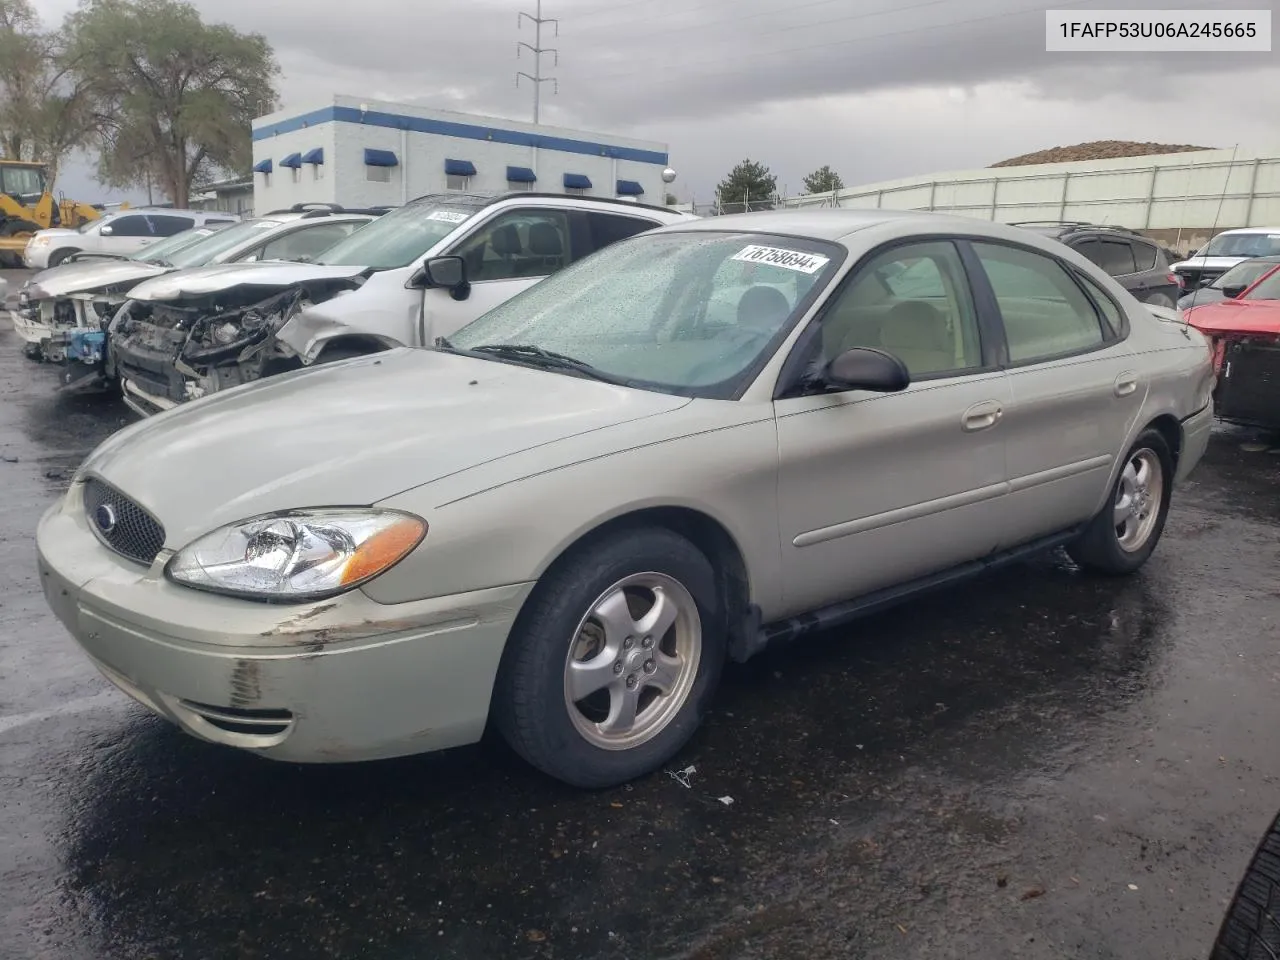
[538, 50]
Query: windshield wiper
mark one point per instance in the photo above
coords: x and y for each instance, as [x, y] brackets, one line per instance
[538, 357]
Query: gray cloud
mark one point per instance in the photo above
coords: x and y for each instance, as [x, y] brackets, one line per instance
[861, 84]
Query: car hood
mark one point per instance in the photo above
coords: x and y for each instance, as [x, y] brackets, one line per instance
[1237, 316]
[91, 274]
[1208, 263]
[202, 281]
[349, 433]
[56, 233]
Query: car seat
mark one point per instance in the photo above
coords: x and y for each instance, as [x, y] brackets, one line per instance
[917, 333]
[547, 251]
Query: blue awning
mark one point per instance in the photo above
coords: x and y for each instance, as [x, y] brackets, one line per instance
[629, 188]
[293, 160]
[379, 158]
[314, 156]
[459, 168]
[262, 166]
[521, 175]
[577, 181]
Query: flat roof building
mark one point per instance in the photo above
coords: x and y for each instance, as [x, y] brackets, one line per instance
[368, 153]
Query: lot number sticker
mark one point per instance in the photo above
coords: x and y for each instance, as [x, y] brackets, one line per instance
[787, 259]
[448, 216]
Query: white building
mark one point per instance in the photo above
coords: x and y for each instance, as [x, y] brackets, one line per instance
[365, 153]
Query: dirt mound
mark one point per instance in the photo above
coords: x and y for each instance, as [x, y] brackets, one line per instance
[1098, 150]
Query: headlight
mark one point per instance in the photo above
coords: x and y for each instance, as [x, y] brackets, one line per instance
[39, 241]
[297, 555]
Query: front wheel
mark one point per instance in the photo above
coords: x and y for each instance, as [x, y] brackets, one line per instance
[1251, 927]
[613, 660]
[58, 256]
[1122, 536]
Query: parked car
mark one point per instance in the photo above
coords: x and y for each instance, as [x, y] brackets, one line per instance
[44, 318]
[1251, 928]
[1244, 334]
[1230, 284]
[1139, 264]
[123, 233]
[1225, 251]
[201, 331]
[571, 512]
[69, 308]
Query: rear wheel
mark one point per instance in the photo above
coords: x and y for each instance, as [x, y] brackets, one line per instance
[613, 660]
[1252, 925]
[1122, 536]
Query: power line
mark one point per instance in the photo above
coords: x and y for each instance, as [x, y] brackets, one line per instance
[538, 50]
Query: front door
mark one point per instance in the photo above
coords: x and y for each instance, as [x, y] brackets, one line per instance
[1076, 388]
[878, 489]
[504, 255]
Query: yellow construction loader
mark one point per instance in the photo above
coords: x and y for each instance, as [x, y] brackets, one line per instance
[26, 205]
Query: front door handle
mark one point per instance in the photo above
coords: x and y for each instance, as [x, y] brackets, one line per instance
[1126, 383]
[982, 416]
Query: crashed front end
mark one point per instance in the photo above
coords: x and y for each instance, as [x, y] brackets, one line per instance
[1248, 369]
[48, 325]
[169, 352]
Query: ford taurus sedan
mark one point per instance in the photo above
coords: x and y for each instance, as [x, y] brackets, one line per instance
[566, 518]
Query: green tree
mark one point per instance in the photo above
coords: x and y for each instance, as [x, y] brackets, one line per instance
[749, 186]
[173, 96]
[44, 113]
[823, 180]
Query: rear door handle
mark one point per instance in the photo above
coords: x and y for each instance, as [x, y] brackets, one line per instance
[1126, 383]
[982, 416]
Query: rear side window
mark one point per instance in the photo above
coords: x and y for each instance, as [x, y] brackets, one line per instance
[1112, 318]
[1117, 257]
[1045, 312]
[607, 228]
[1144, 256]
[165, 225]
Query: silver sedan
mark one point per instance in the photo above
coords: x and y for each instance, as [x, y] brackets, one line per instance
[694, 443]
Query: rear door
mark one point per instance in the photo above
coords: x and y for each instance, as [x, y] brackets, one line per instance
[877, 489]
[1075, 388]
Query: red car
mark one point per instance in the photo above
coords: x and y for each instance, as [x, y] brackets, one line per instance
[1245, 335]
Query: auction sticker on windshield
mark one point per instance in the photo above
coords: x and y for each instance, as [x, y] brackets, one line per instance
[778, 257]
[448, 216]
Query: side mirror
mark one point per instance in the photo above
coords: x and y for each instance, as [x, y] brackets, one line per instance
[1234, 290]
[447, 273]
[863, 368]
[106, 231]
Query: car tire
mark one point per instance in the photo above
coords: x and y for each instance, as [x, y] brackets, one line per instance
[619, 581]
[1251, 927]
[58, 256]
[1112, 548]
[1160, 300]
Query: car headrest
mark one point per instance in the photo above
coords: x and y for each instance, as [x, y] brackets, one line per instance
[915, 325]
[506, 241]
[544, 240]
[763, 307]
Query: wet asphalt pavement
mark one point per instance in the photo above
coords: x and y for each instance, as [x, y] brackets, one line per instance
[1039, 765]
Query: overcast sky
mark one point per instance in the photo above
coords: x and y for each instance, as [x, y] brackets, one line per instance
[878, 89]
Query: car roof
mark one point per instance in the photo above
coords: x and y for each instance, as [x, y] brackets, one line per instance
[481, 200]
[826, 223]
[1244, 230]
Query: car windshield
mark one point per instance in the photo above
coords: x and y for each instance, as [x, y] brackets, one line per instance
[1243, 273]
[1242, 245]
[398, 238]
[1267, 289]
[203, 252]
[163, 251]
[692, 313]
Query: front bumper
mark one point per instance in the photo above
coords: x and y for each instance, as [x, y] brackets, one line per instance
[339, 680]
[30, 331]
[1195, 440]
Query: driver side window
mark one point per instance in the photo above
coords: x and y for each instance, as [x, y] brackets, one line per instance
[517, 244]
[912, 301]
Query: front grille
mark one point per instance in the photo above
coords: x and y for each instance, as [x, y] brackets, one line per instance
[1249, 387]
[120, 523]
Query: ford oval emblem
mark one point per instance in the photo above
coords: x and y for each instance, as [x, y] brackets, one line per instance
[105, 518]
